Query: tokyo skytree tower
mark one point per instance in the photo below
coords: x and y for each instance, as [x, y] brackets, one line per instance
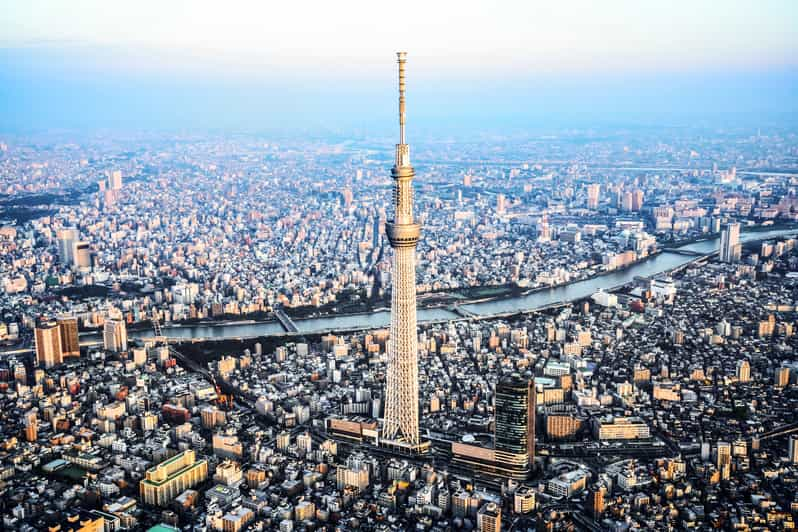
[401, 390]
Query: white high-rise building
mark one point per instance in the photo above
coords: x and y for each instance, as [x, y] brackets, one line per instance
[115, 180]
[115, 335]
[66, 239]
[793, 448]
[593, 191]
[730, 248]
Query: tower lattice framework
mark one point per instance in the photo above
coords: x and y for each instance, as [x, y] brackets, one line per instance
[401, 401]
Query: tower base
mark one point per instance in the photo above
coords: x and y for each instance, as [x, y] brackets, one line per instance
[404, 448]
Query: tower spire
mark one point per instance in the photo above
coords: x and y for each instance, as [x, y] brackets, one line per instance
[402, 149]
[401, 58]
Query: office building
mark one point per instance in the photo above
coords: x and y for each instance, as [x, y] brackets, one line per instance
[621, 428]
[48, 344]
[514, 435]
[348, 196]
[229, 473]
[641, 376]
[730, 248]
[81, 255]
[211, 417]
[70, 342]
[593, 191]
[234, 520]
[80, 520]
[170, 478]
[115, 180]
[793, 449]
[66, 239]
[148, 421]
[115, 335]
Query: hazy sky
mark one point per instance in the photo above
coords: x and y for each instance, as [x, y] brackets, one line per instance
[493, 64]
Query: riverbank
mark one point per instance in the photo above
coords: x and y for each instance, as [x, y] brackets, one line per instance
[534, 300]
[787, 227]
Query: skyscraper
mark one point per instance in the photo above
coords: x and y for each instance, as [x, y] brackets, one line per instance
[514, 437]
[68, 328]
[66, 244]
[115, 335]
[593, 191]
[115, 180]
[627, 202]
[48, 344]
[730, 248]
[401, 388]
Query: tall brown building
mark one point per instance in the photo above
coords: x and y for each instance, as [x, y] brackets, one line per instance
[48, 344]
[68, 329]
[596, 500]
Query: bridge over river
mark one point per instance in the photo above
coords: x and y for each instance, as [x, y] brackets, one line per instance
[662, 263]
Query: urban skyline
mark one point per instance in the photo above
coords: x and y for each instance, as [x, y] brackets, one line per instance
[231, 300]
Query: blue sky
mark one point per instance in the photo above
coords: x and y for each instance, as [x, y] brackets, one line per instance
[330, 65]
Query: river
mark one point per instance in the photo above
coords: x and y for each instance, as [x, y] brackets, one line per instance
[655, 265]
